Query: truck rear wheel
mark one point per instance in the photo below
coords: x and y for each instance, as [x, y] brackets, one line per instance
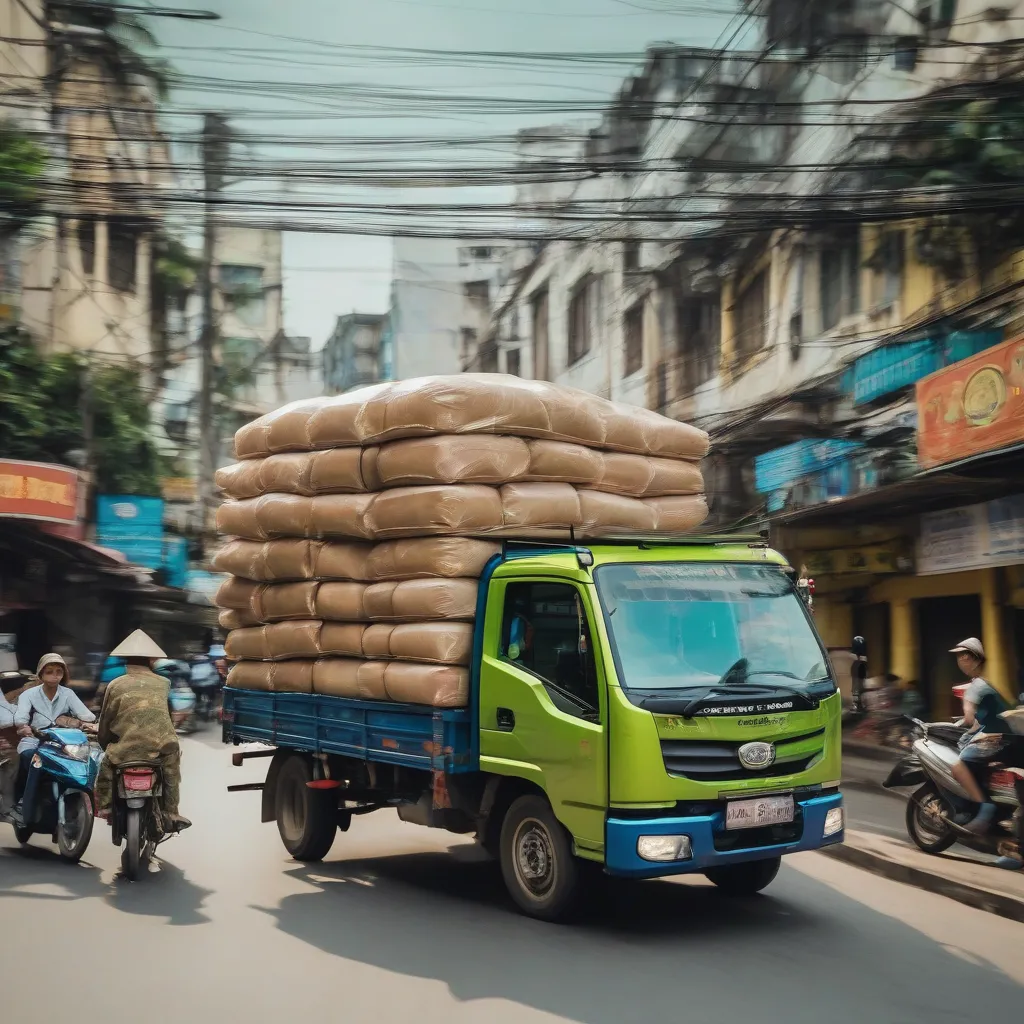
[306, 818]
[745, 879]
[537, 862]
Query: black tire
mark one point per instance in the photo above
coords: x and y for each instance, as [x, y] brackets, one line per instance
[745, 879]
[307, 819]
[73, 839]
[131, 855]
[928, 834]
[541, 873]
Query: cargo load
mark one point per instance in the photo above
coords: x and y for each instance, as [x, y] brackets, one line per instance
[357, 527]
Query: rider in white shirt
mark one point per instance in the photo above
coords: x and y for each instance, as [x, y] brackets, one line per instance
[42, 706]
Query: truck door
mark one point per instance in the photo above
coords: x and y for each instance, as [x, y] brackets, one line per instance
[542, 709]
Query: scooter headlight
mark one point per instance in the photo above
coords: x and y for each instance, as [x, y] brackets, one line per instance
[77, 751]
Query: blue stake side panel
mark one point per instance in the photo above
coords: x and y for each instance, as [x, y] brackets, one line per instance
[404, 734]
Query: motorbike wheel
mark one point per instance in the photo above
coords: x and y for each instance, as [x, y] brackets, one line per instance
[131, 855]
[924, 821]
[73, 837]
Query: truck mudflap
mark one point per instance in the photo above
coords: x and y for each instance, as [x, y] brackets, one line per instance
[712, 845]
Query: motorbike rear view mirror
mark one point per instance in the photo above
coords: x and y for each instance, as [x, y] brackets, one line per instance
[860, 647]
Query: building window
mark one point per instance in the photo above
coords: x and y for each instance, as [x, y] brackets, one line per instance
[634, 332]
[840, 278]
[752, 316]
[545, 632]
[584, 307]
[700, 341]
[122, 256]
[630, 256]
[478, 293]
[512, 362]
[86, 233]
[245, 293]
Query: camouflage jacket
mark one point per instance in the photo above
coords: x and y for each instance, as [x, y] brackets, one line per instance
[135, 723]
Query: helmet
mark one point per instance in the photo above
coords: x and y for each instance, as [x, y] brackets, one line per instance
[217, 651]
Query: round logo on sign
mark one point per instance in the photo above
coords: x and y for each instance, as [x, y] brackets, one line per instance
[757, 755]
[984, 396]
[125, 510]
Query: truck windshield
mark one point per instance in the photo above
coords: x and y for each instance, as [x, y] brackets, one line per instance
[676, 627]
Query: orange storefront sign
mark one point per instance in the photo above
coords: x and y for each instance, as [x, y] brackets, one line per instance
[974, 406]
[36, 490]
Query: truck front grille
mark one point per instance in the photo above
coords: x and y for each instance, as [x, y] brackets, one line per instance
[719, 761]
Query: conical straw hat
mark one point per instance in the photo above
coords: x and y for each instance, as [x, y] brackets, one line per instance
[138, 645]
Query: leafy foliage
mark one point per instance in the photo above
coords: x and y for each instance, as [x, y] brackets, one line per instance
[41, 415]
[22, 165]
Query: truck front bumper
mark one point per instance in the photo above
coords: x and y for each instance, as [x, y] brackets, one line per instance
[711, 845]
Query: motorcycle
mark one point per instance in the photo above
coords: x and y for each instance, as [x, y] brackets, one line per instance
[939, 809]
[136, 819]
[57, 799]
[181, 698]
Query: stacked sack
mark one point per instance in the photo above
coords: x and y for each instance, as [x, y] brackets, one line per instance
[362, 523]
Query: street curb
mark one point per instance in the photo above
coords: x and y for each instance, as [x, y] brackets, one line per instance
[971, 896]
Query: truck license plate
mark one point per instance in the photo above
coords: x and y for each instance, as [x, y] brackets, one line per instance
[761, 811]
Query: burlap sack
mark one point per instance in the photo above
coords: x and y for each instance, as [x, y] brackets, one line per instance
[439, 686]
[343, 471]
[421, 601]
[438, 509]
[279, 602]
[447, 459]
[527, 509]
[272, 676]
[370, 680]
[238, 594]
[341, 601]
[277, 642]
[468, 404]
[678, 516]
[426, 557]
[377, 641]
[241, 479]
[268, 561]
[230, 618]
[441, 643]
[337, 677]
[604, 515]
[562, 462]
[343, 640]
[640, 477]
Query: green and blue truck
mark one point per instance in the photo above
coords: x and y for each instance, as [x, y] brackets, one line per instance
[643, 708]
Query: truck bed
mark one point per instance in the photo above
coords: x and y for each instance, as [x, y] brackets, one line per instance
[403, 734]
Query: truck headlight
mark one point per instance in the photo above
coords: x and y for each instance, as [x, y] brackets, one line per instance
[664, 848]
[834, 822]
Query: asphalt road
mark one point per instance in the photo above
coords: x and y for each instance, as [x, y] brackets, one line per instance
[394, 927]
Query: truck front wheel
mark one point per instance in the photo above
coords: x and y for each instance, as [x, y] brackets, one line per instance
[540, 871]
[745, 879]
[306, 818]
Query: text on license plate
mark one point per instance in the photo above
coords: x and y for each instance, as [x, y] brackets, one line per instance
[760, 811]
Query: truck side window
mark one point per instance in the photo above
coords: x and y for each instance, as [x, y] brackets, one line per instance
[545, 631]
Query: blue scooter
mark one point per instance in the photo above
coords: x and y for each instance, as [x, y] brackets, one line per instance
[58, 800]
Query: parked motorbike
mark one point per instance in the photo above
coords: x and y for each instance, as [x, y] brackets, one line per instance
[57, 800]
[136, 819]
[939, 809]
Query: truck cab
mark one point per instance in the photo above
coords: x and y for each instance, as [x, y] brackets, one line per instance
[647, 708]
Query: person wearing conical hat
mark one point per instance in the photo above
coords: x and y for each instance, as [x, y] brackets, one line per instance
[135, 725]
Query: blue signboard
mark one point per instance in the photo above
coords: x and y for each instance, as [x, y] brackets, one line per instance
[782, 467]
[133, 526]
[176, 561]
[893, 367]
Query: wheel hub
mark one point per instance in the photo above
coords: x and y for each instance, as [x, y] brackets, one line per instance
[534, 857]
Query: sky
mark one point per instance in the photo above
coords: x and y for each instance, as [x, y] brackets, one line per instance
[318, 42]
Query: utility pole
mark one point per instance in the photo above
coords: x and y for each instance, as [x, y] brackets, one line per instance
[215, 154]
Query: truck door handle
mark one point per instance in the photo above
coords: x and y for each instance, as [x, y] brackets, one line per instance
[506, 720]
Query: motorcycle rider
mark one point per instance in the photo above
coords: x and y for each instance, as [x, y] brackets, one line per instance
[135, 725]
[983, 706]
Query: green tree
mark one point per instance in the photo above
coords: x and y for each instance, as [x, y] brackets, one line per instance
[22, 166]
[41, 416]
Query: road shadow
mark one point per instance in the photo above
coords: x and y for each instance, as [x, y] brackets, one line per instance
[164, 891]
[645, 951]
[26, 867]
